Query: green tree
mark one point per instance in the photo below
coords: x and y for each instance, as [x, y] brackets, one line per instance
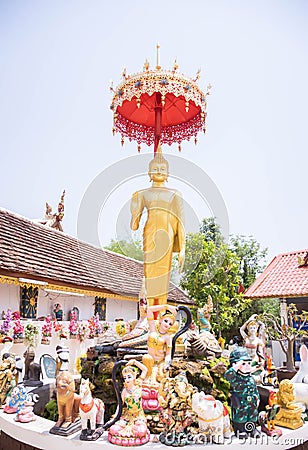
[212, 268]
[216, 268]
[252, 258]
[130, 248]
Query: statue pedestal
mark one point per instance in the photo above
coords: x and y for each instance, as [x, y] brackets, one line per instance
[73, 428]
[289, 418]
[35, 435]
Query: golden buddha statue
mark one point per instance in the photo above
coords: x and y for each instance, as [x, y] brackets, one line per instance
[164, 231]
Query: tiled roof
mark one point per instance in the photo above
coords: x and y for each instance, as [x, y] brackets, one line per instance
[29, 249]
[283, 278]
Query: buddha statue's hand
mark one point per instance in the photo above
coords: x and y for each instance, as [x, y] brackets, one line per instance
[181, 259]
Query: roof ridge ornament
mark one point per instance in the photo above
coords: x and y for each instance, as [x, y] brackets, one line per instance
[302, 261]
[54, 220]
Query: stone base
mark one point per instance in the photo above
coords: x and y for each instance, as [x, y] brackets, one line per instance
[73, 428]
[33, 383]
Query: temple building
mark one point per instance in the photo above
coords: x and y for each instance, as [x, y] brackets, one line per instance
[286, 278]
[41, 266]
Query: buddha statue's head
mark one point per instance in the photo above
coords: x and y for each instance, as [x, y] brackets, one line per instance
[158, 167]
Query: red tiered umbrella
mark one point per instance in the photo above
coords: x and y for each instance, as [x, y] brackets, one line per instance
[158, 106]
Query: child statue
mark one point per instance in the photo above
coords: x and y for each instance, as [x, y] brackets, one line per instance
[254, 339]
[131, 429]
[159, 341]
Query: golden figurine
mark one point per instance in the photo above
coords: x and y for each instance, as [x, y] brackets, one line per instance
[289, 414]
[163, 232]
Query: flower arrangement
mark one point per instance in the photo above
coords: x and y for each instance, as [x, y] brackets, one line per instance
[82, 333]
[64, 333]
[60, 330]
[105, 326]
[47, 330]
[18, 328]
[73, 325]
[31, 335]
[98, 326]
[57, 326]
[6, 327]
[91, 328]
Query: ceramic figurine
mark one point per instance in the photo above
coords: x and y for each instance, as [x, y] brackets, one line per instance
[68, 402]
[32, 369]
[267, 418]
[253, 333]
[15, 400]
[139, 333]
[212, 416]
[204, 315]
[175, 396]
[131, 429]
[159, 342]
[300, 380]
[90, 409]
[58, 311]
[8, 375]
[270, 374]
[25, 414]
[244, 394]
[202, 344]
[289, 414]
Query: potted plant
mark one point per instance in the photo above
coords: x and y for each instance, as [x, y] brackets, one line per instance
[91, 328]
[286, 329]
[31, 335]
[18, 328]
[82, 333]
[47, 330]
[6, 327]
[98, 326]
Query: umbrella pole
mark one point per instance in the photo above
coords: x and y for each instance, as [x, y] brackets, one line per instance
[158, 117]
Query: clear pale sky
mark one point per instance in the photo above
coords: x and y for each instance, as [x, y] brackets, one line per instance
[57, 58]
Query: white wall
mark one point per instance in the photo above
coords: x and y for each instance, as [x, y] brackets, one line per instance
[120, 308]
[47, 300]
[9, 297]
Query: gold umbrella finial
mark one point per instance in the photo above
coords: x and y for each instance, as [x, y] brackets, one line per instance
[158, 66]
[146, 65]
